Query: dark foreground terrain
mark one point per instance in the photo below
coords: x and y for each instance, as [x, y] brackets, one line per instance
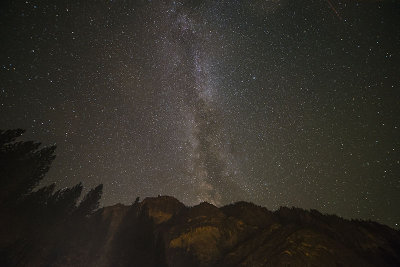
[162, 231]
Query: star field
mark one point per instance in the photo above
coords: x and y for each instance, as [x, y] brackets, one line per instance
[278, 102]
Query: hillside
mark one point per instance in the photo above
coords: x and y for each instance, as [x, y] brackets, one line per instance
[161, 231]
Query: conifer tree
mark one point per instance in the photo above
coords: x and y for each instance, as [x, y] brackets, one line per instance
[90, 202]
[22, 166]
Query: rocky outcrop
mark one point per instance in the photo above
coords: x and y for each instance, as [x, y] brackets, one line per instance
[161, 231]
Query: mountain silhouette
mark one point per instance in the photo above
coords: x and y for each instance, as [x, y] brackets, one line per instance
[161, 231]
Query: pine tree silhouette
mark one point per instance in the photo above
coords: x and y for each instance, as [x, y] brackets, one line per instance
[90, 202]
[22, 166]
[41, 219]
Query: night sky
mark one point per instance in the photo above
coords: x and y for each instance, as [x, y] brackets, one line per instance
[277, 102]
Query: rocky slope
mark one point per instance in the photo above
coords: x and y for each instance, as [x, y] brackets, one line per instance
[162, 231]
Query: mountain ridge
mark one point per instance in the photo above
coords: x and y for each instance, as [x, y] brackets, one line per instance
[244, 234]
[162, 231]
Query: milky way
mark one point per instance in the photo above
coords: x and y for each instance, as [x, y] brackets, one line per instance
[278, 102]
[210, 165]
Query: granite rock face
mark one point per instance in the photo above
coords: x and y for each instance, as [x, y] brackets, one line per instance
[161, 231]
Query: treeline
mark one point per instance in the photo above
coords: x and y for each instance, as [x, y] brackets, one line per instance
[34, 222]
